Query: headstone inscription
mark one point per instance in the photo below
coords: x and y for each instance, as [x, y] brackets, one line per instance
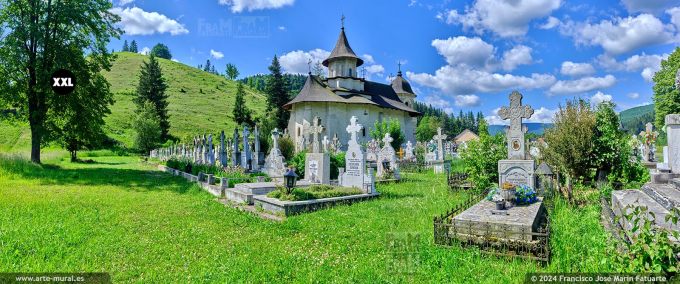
[517, 169]
[355, 163]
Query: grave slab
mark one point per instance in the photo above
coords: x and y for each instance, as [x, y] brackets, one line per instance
[513, 224]
[624, 200]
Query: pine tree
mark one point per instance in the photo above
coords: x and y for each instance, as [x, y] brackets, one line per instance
[241, 113]
[151, 88]
[207, 66]
[133, 46]
[126, 47]
[277, 94]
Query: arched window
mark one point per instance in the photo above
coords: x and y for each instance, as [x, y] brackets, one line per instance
[350, 72]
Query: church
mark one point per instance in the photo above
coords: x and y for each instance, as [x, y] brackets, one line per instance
[344, 94]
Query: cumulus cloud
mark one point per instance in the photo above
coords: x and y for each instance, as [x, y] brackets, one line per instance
[467, 100]
[124, 2]
[216, 54]
[634, 95]
[282, 28]
[620, 35]
[458, 80]
[550, 23]
[582, 85]
[504, 18]
[238, 6]
[136, 21]
[439, 102]
[296, 61]
[473, 52]
[576, 69]
[541, 115]
[600, 97]
[368, 58]
[518, 55]
[647, 64]
[647, 5]
[145, 50]
[675, 17]
[376, 69]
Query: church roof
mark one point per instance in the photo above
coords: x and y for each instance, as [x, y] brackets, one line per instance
[464, 133]
[381, 95]
[342, 50]
[400, 85]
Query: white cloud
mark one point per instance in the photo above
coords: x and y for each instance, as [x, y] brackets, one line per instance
[647, 5]
[458, 80]
[621, 35]
[296, 61]
[439, 102]
[472, 52]
[675, 17]
[145, 50]
[375, 69]
[368, 58]
[175, 60]
[518, 55]
[541, 115]
[124, 2]
[647, 64]
[467, 100]
[505, 18]
[634, 95]
[600, 97]
[216, 54]
[136, 21]
[550, 23]
[582, 85]
[282, 28]
[238, 6]
[576, 69]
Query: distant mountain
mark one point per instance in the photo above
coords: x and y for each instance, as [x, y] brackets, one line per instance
[633, 120]
[533, 127]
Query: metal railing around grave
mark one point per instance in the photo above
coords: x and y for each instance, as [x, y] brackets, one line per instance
[493, 239]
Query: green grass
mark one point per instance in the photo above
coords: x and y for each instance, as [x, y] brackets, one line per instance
[121, 216]
[191, 112]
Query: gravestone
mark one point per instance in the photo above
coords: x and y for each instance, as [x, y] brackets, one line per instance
[258, 156]
[648, 143]
[317, 165]
[517, 169]
[673, 134]
[355, 163]
[223, 151]
[440, 143]
[235, 153]
[274, 165]
[325, 143]
[246, 158]
[387, 157]
[372, 149]
[211, 153]
[335, 144]
[408, 154]
[431, 154]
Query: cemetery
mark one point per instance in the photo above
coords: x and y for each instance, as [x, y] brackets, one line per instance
[479, 146]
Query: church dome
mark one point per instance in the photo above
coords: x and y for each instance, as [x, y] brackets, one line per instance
[400, 85]
[342, 50]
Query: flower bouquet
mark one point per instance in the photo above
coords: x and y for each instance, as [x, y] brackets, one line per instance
[525, 195]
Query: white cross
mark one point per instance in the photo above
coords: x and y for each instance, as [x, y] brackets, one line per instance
[353, 128]
[387, 140]
[315, 130]
[440, 148]
[275, 138]
[325, 143]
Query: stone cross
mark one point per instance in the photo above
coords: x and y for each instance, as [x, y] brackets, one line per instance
[325, 143]
[440, 147]
[275, 138]
[223, 153]
[388, 139]
[353, 128]
[315, 130]
[235, 158]
[515, 134]
[335, 145]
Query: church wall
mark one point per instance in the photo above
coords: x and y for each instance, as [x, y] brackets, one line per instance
[335, 118]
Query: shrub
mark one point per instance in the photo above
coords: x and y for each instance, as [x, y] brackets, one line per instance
[481, 157]
[312, 192]
[147, 129]
[392, 127]
[298, 163]
[337, 161]
[287, 147]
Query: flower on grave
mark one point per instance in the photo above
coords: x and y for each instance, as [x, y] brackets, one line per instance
[524, 194]
[497, 198]
[507, 186]
[491, 193]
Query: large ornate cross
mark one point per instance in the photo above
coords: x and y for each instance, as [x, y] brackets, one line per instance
[353, 128]
[515, 134]
[440, 147]
[315, 130]
[387, 140]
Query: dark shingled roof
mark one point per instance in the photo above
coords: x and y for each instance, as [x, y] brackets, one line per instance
[381, 95]
[400, 85]
[342, 50]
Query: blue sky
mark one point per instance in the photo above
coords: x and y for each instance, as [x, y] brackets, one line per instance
[465, 55]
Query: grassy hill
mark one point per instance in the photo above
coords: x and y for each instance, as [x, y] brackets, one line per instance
[633, 120]
[199, 102]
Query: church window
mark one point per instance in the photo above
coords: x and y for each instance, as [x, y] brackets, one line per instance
[350, 72]
[363, 131]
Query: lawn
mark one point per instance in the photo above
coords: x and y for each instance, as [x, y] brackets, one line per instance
[120, 215]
